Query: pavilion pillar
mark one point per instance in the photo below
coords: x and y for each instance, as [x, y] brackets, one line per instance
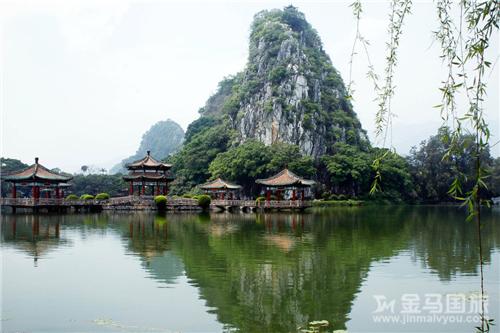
[14, 193]
[131, 188]
[47, 194]
[143, 188]
[302, 195]
[222, 195]
[268, 195]
[57, 192]
[294, 195]
[157, 188]
[278, 195]
[35, 192]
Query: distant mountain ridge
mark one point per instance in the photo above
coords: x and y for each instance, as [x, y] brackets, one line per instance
[162, 139]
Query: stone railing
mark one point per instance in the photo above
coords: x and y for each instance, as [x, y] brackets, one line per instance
[284, 204]
[149, 200]
[28, 202]
[233, 203]
[262, 204]
[182, 202]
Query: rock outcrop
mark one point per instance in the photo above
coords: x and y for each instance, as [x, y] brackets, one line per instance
[289, 91]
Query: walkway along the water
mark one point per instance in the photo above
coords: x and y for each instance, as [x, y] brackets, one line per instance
[147, 203]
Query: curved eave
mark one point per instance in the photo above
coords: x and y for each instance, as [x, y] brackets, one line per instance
[152, 178]
[285, 178]
[236, 187]
[296, 184]
[162, 166]
[36, 179]
[220, 184]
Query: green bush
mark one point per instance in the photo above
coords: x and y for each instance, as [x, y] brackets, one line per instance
[203, 201]
[161, 202]
[87, 197]
[333, 197]
[187, 196]
[72, 197]
[102, 196]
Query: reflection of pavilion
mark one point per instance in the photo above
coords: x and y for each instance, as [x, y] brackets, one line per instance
[31, 236]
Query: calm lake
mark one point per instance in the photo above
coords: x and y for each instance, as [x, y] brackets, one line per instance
[354, 267]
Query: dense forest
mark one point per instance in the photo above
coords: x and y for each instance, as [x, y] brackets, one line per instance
[424, 176]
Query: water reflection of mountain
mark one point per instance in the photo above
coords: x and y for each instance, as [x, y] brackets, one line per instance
[285, 270]
[273, 273]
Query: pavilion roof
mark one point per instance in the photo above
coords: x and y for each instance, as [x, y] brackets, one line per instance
[220, 184]
[147, 176]
[36, 172]
[285, 178]
[148, 162]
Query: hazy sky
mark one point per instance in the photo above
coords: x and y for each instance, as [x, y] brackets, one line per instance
[83, 80]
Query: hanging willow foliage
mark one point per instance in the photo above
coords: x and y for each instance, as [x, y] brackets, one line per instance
[463, 42]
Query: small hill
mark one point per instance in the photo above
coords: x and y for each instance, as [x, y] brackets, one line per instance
[162, 139]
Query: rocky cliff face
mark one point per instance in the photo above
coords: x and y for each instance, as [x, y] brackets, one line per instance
[289, 91]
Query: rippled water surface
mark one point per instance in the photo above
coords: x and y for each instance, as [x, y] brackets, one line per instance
[243, 272]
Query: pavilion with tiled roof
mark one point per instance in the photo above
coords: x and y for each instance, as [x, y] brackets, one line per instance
[148, 173]
[284, 181]
[221, 189]
[38, 177]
